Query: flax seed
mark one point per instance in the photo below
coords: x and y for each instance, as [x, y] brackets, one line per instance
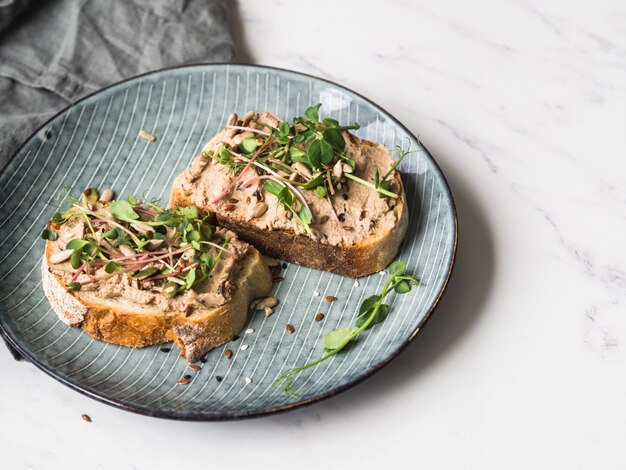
[228, 354]
[194, 367]
[86, 418]
[319, 317]
[290, 329]
[330, 298]
[183, 381]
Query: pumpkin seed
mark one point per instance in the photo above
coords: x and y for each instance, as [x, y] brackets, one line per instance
[169, 290]
[145, 273]
[90, 195]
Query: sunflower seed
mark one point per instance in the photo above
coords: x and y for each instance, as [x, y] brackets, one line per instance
[338, 170]
[302, 168]
[266, 302]
[61, 256]
[258, 209]
[107, 195]
[146, 135]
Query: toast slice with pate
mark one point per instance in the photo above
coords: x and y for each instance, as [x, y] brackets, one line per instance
[137, 274]
[309, 192]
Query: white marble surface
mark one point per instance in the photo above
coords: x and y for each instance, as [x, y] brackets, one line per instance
[523, 104]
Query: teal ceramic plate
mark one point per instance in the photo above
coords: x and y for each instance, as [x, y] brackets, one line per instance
[95, 143]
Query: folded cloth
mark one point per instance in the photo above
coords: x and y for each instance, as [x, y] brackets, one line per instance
[53, 52]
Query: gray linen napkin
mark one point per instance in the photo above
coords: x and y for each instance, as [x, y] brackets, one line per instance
[52, 52]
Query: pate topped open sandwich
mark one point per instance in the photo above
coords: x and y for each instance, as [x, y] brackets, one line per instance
[307, 192]
[136, 274]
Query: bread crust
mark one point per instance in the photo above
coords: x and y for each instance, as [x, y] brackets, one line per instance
[137, 326]
[356, 260]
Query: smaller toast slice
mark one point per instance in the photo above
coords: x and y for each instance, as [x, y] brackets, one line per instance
[123, 310]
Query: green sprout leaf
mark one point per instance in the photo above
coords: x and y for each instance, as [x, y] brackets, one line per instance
[73, 286]
[112, 266]
[123, 210]
[313, 113]
[337, 338]
[249, 145]
[48, 234]
[334, 138]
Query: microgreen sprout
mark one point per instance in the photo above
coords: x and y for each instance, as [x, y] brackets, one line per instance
[142, 239]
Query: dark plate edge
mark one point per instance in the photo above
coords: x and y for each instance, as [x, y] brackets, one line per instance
[253, 414]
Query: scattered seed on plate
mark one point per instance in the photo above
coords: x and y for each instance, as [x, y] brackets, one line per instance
[188, 377]
[218, 378]
[194, 367]
[244, 347]
[316, 293]
[356, 283]
[249, 331]
[183, 381]
[319, 317]
[284, 265]
[289, 327]
[86, 418]
[382, 273]
[165, 350]
[248, 380]
[330, 298]
[146, 135]
[228, 354]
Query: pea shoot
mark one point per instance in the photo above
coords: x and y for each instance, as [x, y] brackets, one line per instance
[371, 312]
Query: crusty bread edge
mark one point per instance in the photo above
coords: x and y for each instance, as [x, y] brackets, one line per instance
[194, 336]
